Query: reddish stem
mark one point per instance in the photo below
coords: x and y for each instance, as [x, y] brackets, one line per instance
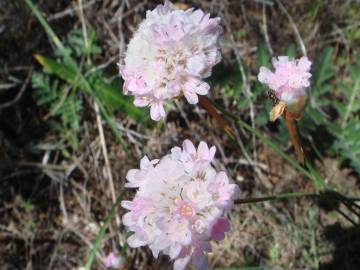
[294, 137]
[206, 104]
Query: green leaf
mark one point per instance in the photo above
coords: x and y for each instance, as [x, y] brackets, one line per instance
[316, 116]
[291, 50]
[243, 103]
[323, 68]
[64, 71]
[348, 142]
[109, 94]
[356, 106]
[340, 107]
[313, 10]
[64, 111]
[75, 41]
[262, 55]
[112, 95]
[47, 91]
[323, 89]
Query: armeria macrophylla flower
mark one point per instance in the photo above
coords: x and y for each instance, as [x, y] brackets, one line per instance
[289, 82]
[169, 55]
[179, 205]
[113, 261]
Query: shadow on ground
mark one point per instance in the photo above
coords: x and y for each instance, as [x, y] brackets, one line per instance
[346, 254]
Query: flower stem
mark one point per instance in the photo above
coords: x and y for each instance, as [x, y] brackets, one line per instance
[294, 137]
[266, 140]
[276, 197]
[327, 192]
[209, 107]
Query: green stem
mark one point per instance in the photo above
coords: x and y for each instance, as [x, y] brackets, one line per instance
[277, 197]
[102, 231]
[348, 202]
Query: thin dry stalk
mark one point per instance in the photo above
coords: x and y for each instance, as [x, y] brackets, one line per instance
[19, 95]
[107, 163]
[100, 127]
[70, 11]
[246, 85]
[265, 29]
[294, 27]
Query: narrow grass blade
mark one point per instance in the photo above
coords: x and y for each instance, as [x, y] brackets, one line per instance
[59, 45]
[102, 231]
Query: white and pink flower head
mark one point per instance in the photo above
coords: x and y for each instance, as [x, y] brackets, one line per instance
[169, 55]
[179, 205]
[289, 81]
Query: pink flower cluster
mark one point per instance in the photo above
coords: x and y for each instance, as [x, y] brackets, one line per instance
[179, 205]
[290, 79]
[169, 55]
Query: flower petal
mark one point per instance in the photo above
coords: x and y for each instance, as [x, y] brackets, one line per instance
[189, 147]
[181, 263]
[218, 229]
[135, 242]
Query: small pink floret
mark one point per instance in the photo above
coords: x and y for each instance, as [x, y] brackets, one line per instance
[112, 261]
[185, 210]
[219, 228]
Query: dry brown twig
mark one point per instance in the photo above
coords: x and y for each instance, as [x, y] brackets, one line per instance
[19, 94]
[70, 11]
[294, 27]
[265, 30]
[121, 43]
[105, 153]
[110, 61]
[6, 86]
[120, 12]
[101, 133]
[246, 87]
[186, 119]
[112, 35]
